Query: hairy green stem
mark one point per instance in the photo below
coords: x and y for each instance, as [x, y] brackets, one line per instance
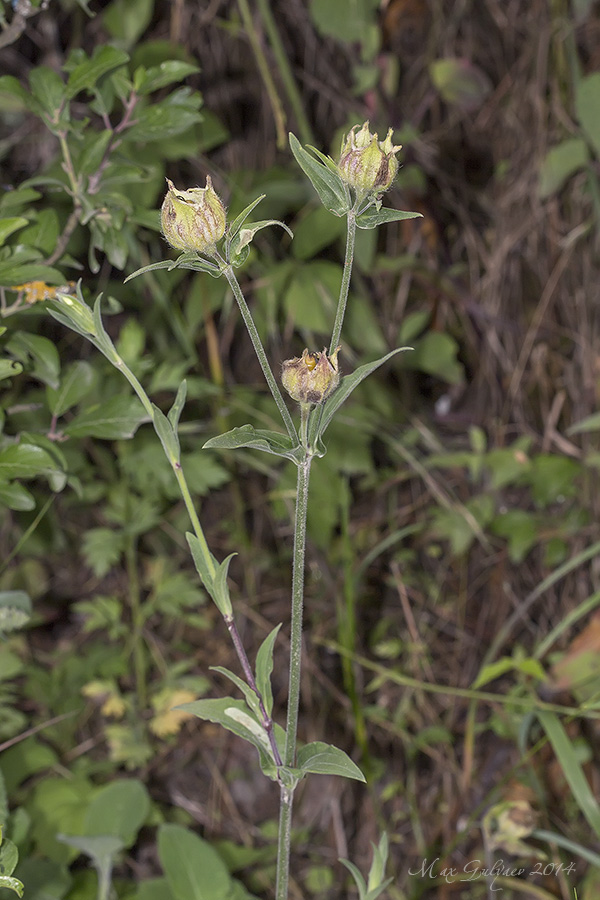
[297, 608]
[341, 309]
[291, 731]
[284, 842]
[260, 353]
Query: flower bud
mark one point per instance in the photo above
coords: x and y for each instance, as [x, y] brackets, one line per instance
[312, 377]
[194, 219]
[367, 164]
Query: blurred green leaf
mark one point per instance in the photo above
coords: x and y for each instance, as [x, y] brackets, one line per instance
[85, 75]
[116, 419]
[118, 809]
[148, 80]
[587, 104]
[559, 164]
[9, 225]
[128, 19]
[194, 870]
[76, 381]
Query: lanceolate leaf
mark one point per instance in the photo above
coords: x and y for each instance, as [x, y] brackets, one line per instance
[248, 436]
[324, 759]
[189, 260]
[347, 385]
[264, 668]
[374, 217]
[328, 184]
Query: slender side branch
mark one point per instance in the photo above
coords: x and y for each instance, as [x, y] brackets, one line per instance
[260, 352]
[267, 721]
[341, 309]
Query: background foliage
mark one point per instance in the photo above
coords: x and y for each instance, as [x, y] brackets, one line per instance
[453, 538]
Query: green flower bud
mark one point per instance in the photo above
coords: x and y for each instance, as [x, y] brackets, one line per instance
[367, 164]
[193, 219]
[312, 377]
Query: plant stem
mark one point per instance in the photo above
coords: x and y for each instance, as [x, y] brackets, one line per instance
[284, 843]
[341, 309]
[260, 352]
[297, 606]
[291, 731]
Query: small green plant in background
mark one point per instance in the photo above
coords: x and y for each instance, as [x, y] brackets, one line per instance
[194, 221]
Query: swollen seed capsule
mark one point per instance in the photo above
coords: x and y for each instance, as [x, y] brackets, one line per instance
[194, 219]
[312, 377]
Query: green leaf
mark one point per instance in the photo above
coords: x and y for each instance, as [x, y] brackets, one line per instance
[167, 435]
[264, 669]
[13, 884]
[15, 611]
[48, 89]
[15, 496]
[73, 312]
[26, 461]
[148, 80]
[323, 759]
[10, 225]
[128, 19]
[571, 767]
[9, 368]
[13, 271]
[436, 354]
[153, 889]
[85, 75]
[347, 385]
[374, 217]
[102, 549]
[9, 856]
[587, 104]
[559, 164]
[42, 353]
[160, 121]
[245, 236]
[174, 413]
[235, 717]
[590, 423]
[119, 809]
[219, 590]
[315, 231]
[521, 530]
[239, 220]
[206, 576]
[257, 439]
[328, 185]
[13, 96]
[77, 380]
[194, 870]
[117, 419]
[344, 20]
[189, 260]
[100, 848]
[460, 82]
[243, 687]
